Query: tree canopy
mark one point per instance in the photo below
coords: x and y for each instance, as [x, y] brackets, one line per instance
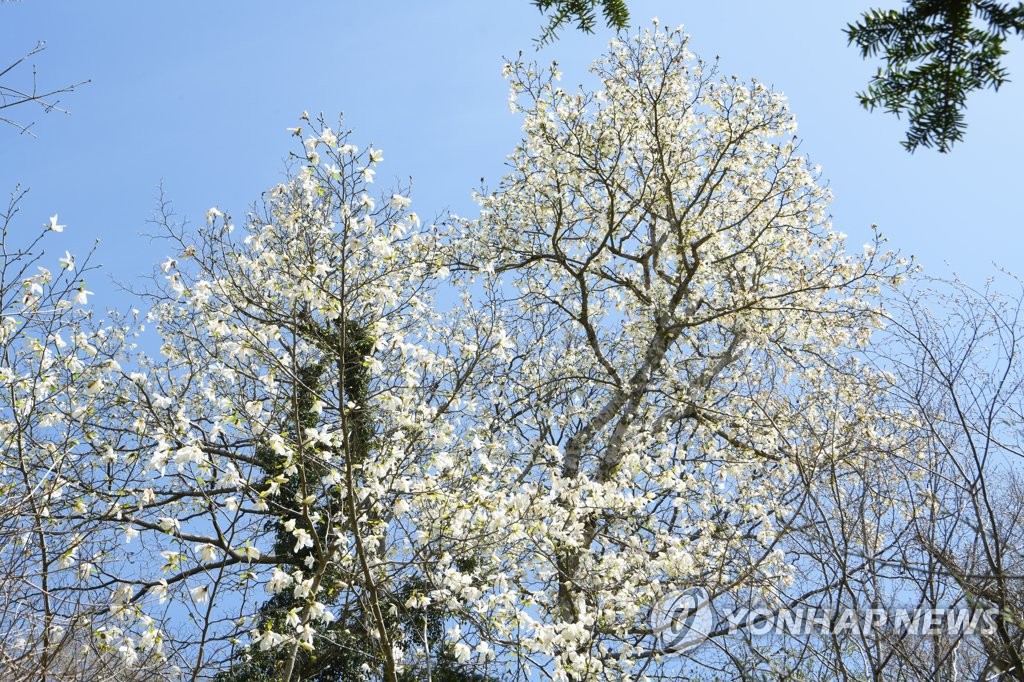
[334, 441]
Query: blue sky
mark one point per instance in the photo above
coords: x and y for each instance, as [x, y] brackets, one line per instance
[197, 95]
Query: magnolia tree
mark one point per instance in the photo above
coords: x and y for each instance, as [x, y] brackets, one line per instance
[684, 319]
[372, 448]
[56, 366]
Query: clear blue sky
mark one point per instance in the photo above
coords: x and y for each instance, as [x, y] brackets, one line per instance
[197, 95]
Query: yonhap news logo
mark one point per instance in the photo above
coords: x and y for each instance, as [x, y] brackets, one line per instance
[684, 619]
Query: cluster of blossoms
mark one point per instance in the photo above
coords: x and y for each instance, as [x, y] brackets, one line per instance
[492, 445]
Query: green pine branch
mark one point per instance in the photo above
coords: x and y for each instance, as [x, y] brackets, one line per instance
[935, 53]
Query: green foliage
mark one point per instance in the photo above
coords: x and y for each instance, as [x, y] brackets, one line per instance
[348, 646]
[583, 13]
[936, 52]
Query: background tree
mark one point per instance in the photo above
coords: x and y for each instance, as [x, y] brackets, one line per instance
[17, 90]
[56, 361]
[962, 379]
[934, 524]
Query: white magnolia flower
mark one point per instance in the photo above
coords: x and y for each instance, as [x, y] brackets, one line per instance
[82, 297]
[417, 601]
[462, 652]
[190, 453]
[200, 595]
[302, 539]
[151, 640]
[53, 224]
[279, 580]
[302, 589]
[485, 652]
[172, 560]
[159, 591]
[400, 202]
[269, 639]
[168, 524]
[318, 611]
[68, 559]
[208, 553]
